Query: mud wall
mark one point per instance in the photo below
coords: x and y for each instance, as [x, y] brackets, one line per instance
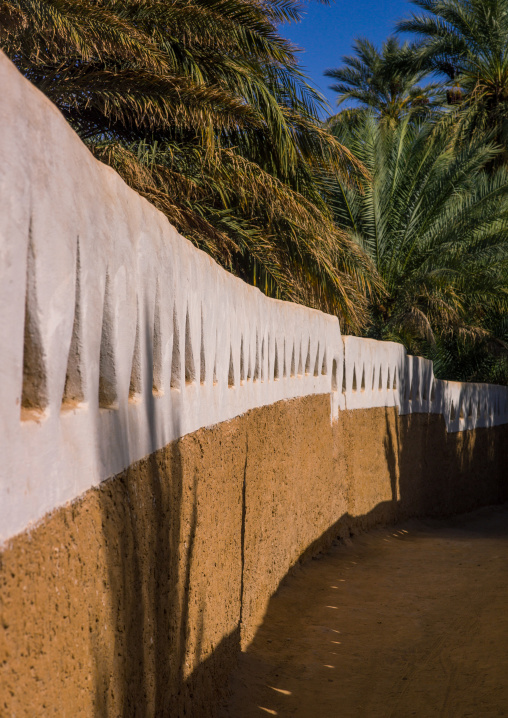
[118, 336]
[139, 548]
[136, 599]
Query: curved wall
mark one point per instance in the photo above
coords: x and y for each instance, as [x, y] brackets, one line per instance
[173, 442]
[137, 598]
[119, 336]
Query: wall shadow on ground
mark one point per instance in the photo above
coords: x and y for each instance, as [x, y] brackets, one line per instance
[428, 472]
[160, 588]
[137, 599]
[423, 607]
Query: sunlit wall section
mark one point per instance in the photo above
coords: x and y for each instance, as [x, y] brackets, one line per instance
[118, 336]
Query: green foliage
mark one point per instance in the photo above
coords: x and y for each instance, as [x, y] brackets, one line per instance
[200, 105]
[385, 82]
[393, 215]
[435, 224]
[467, 42]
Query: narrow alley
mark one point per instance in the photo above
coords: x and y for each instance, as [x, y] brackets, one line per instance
[405, 621]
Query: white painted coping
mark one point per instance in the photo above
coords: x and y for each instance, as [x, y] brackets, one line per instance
[376, 374]
[118, 336]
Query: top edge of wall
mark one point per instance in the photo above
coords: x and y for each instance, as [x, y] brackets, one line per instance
[118, 335]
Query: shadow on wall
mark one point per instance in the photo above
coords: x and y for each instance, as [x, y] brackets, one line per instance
[156, 666]
[142, 657]
[440, 473]
[136, 600]
[427, 471]
[177, 605]
[149, 556]
[396, 467]
[151, 660]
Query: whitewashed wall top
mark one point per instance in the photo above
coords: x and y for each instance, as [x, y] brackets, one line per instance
[118, 336]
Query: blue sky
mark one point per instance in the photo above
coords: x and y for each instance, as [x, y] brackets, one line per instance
[326, 33]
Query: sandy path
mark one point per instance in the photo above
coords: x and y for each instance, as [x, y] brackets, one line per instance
[408, 621]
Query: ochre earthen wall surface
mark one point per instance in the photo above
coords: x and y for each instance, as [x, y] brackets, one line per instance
[136, 599]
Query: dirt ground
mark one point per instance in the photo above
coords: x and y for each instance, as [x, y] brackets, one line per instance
[406, 621]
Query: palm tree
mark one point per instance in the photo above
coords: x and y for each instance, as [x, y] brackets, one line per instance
[467, 42]
[436, 226]
[384, 82]
[478, 360]
[200, 106]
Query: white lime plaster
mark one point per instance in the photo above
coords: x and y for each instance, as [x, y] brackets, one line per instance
[382, 374]
[118, 336]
